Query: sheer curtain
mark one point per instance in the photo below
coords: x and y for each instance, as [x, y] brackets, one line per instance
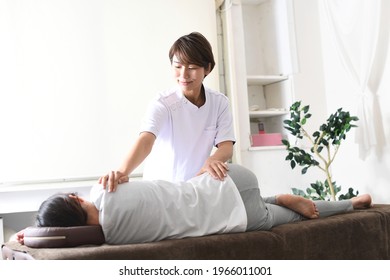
[359, 34]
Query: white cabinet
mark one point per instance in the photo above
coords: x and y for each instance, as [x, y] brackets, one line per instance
[268, 101]
[257, 51]
[259, 48]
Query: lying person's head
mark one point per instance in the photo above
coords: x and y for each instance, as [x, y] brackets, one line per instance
[63, 210]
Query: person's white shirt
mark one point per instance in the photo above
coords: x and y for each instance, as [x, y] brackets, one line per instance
[145, 211]
[185, 133]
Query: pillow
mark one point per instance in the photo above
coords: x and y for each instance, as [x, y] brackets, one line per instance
[58, 237]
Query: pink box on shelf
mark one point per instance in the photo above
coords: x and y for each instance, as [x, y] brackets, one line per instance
[266, 139]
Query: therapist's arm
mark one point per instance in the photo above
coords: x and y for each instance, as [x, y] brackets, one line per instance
[137, 154]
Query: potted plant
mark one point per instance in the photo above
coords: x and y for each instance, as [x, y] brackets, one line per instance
[324, 145]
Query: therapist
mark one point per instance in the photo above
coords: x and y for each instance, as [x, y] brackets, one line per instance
[183, 124]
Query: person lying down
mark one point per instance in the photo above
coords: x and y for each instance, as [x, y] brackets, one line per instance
[146, 211]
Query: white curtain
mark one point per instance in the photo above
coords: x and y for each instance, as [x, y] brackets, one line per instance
[356, 28]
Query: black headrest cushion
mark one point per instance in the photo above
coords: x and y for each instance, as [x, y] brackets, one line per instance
[59, 237]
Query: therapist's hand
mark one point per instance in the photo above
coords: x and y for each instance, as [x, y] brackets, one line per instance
[19, 236]
[216, 168]
[112, 179]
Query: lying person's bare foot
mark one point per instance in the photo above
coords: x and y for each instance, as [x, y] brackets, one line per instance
[299, 204]
[361, 201]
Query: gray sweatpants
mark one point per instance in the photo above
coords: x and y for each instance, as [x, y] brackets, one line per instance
[263, 213]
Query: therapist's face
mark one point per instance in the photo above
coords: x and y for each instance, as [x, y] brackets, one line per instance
[188, 76]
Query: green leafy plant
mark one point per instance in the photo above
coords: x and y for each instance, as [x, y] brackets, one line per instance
[325, 144]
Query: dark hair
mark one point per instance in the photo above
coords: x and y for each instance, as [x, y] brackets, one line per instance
[60, 210]
[193, 49]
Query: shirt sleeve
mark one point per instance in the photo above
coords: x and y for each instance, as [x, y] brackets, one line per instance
[156, 117]
[225, 131]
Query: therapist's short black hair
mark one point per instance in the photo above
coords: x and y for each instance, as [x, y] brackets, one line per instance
[194, 49]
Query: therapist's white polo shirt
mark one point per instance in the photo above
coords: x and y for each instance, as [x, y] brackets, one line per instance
[185, 133]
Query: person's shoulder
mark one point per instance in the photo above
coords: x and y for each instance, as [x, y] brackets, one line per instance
[173, 91]
[168, 96]
[163, 100]
[217, 100]
[216, 94]
[213, 91]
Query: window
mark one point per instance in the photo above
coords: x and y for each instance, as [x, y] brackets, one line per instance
[76, 78]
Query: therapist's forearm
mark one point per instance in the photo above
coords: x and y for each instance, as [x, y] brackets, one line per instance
[224, 152]
[137, 154]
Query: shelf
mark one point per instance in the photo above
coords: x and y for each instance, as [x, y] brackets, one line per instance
[268, 113]
[253, 2]
[267, 148]
[263, 80]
